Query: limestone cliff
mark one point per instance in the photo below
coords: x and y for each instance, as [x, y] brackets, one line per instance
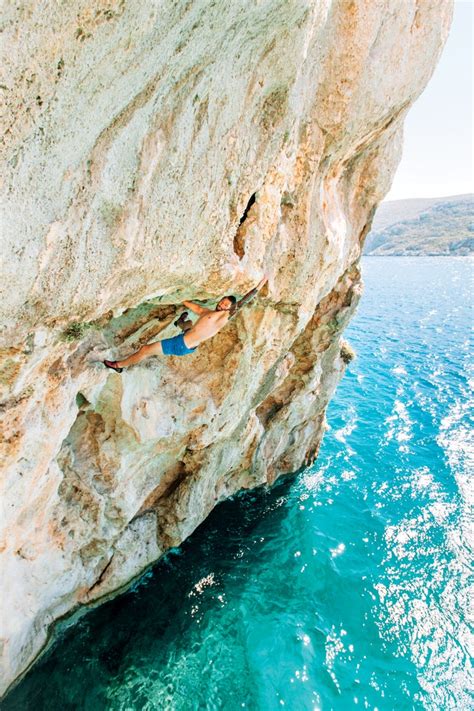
[161, 151]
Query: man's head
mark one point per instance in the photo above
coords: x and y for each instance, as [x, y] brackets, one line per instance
[226, 303]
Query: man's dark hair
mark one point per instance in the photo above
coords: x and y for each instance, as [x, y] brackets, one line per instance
[232, 300]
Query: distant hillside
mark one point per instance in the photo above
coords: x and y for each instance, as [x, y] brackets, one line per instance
[425, 226]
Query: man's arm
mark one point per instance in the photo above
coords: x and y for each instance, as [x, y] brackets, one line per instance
[248, 296]
[195, 308]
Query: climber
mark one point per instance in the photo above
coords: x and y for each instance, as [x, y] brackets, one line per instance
[207, 325]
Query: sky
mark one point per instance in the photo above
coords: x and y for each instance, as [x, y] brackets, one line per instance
[438, 145]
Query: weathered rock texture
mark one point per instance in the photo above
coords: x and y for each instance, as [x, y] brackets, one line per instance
[136, 135]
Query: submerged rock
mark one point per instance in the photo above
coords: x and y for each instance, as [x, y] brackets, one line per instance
[157, 152]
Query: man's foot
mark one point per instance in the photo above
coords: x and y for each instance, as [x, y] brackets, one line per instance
[181, 319]
[112, 364]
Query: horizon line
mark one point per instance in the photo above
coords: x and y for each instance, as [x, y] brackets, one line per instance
[428, 197]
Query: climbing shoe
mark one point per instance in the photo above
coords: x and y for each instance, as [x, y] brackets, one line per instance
[182, 323]
[181, 319]
[112, 364]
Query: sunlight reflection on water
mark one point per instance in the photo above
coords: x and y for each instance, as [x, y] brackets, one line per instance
[347, 587]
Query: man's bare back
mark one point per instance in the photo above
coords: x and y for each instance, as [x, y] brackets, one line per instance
[207, 325]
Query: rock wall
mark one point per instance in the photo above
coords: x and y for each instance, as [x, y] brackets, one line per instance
[161, 151]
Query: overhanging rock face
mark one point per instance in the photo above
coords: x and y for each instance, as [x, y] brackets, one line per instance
[157, 152]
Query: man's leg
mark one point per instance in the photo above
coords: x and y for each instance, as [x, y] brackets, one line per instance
[144, 352]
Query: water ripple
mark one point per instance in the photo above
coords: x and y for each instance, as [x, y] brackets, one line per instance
[346, 587]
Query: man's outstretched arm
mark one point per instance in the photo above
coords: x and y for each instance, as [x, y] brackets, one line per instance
[195, 308]
[249, 296]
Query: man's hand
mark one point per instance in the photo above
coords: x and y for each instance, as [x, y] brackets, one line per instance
[245, 299]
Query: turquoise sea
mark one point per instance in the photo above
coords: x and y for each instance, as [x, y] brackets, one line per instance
[345, 587]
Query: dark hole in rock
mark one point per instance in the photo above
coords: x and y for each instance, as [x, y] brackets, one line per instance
[239, 246]
[246, 211]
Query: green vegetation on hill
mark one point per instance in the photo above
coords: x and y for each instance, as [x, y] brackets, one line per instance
[429, 227]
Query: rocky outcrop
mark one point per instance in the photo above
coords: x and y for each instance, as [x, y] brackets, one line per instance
[157, 152]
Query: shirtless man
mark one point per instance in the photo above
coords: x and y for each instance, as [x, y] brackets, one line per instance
[207, 325]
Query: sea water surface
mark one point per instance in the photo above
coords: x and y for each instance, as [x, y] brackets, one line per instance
[345, 587]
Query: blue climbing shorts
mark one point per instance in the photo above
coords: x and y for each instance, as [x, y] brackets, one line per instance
[176, 346]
